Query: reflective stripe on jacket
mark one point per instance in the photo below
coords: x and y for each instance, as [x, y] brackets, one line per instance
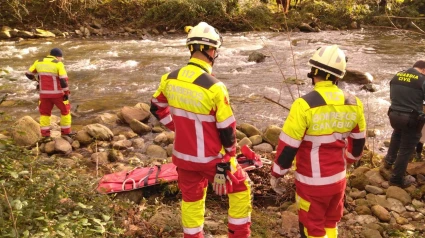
[52, 77]
[325, 129]
[196, 106]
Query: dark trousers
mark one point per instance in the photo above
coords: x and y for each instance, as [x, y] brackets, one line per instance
[404, 139]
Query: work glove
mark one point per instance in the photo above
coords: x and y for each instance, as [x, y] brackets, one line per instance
[66, 95]
[222, 182]
[277, 184]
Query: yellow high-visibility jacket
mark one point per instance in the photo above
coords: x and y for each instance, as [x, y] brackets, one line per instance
[324, 130]
[52, 77]
[196, 106]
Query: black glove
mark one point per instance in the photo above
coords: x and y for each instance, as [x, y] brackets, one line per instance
[65, 97]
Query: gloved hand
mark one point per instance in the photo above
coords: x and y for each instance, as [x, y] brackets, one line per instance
[276, 184]
[66, 95]
[221, 179]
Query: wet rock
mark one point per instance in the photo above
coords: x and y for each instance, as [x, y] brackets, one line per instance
[44, 34]
[248, 129]
[357, 77]
[139, 127]
[5, 35]
[271, 134]
[369, 87]
[26, 131]
[304, 27]
[256, 57]
[25, 34]
[255, 140]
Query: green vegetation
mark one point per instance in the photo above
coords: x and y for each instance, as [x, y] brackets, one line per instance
[224, 14]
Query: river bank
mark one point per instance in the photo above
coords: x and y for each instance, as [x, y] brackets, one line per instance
[142, 18]
[60, 177]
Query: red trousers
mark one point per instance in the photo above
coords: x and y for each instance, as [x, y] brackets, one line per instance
[319, 212]
[45, 108]
[193, 185]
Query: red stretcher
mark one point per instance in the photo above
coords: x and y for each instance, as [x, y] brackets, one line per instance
[148, 176]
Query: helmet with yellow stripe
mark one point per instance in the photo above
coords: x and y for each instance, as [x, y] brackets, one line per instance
[329, 62]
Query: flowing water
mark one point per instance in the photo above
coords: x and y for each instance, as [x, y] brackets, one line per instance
[108, 74]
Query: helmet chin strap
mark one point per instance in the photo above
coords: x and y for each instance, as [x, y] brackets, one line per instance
[211, 59]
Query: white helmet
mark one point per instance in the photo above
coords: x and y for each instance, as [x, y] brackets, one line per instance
[203, 34]
[330, 59]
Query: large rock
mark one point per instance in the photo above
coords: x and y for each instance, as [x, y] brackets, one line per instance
[257, 57]
[99, 131]
[156, 151]
[139, 127]
[107, 119]
[127, 114]
[43, 33]
[248, 129]
[26, 131]
[5, 35]
[381, 213]
[399, 194]
[357, 77]
[83, 137]
[271, 134]
[62, 145]
[416, 168]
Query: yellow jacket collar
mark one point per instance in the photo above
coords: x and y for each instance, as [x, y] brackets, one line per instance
[324, 84]
[202, 63]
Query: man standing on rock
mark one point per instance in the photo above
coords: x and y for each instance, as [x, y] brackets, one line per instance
[325, 132]
[52, 80]
[194, 104]
[407, 93]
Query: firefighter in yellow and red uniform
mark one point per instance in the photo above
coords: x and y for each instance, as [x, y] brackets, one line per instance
[194, 104]
[324, 132]
[52, 80]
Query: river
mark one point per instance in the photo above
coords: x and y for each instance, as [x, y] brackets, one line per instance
[106, 75]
